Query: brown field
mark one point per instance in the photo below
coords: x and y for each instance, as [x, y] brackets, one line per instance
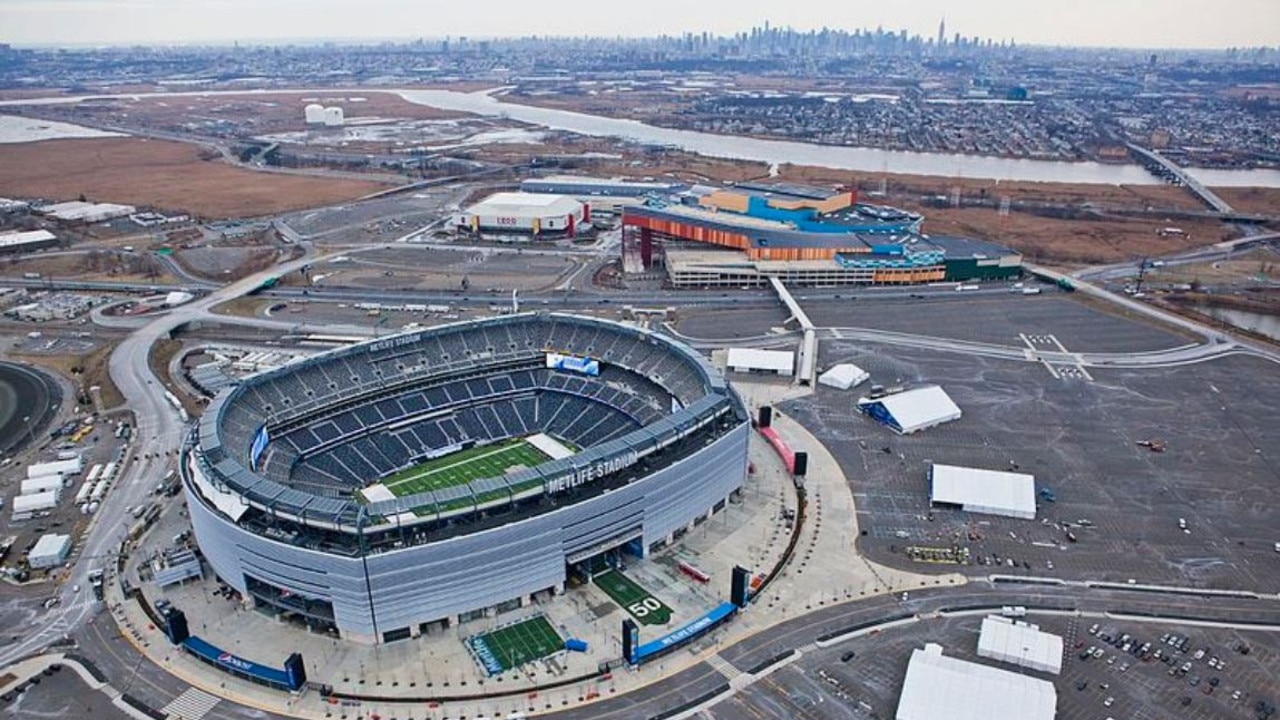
[169, 175]
[1069, 242]
[1261, 201]
[105, 265]
[85, 371]
[251, 114]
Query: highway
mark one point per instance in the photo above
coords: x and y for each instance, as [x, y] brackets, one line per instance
[158, 433]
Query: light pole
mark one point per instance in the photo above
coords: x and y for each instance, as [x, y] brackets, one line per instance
[30, 435]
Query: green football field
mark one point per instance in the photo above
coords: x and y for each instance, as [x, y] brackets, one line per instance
[464, 466]
[634, 599]
[514, 645]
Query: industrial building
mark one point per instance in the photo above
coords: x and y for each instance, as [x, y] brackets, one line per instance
[86, 212]
[1019, 643]
[776, 362]
[937, 686]
[525, 214]
[49, 551]
[801, 235]
[985, 492]
[604, 194]
[911, 411]
[19, 242]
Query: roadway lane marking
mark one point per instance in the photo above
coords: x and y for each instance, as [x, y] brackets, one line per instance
[1073, 356]
[1032, 354]
[191, 705]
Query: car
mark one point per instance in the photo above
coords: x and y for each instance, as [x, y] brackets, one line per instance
[1214, 682]
[1082, 684]
[847, 656]
[1235, 695]
[1097, 652]
[1109, 702]
[1194, 681]
[1199, 655]
[1186, 668]
[1093, 629]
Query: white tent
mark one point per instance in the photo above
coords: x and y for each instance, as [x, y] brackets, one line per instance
[983, 491]
[844, 376]
[774, 361]
[938, 687]
[913, 410]
[1020, 644]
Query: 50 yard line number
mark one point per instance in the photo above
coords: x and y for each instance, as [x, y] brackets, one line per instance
[644, 607]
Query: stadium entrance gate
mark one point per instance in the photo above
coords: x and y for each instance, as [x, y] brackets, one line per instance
[606, 555]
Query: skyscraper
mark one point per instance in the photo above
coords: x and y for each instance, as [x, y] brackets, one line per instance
[942, 32]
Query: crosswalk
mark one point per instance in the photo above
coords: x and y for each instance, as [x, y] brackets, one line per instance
[724, 667]
[191, 705]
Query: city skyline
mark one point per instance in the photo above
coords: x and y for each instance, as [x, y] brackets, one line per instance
[1172, 24]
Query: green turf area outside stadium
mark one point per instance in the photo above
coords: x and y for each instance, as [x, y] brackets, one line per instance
[514, 645]
[634, 599]
[460, 468]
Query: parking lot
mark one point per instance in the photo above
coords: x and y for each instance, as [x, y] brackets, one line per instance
[1080, 437]
[868, 684]
[58, 694]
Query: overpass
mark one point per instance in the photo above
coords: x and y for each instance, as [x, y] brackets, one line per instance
[807, 359]
[1175, 171]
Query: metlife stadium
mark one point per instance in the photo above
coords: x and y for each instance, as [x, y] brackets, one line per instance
[642, 437]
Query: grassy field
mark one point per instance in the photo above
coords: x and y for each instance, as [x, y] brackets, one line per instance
[644, 607]
[462, 467]
[514, 645]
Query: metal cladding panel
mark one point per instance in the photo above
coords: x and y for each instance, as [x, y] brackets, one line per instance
[719, 469]
[470, 572]
[233, 552]
[439, 580]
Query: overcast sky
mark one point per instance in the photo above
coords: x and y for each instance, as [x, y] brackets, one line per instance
[1129, 23]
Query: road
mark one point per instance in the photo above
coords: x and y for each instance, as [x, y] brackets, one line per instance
[158, 433]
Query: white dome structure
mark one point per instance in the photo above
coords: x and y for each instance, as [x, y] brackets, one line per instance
[333, 117]
[314, 114]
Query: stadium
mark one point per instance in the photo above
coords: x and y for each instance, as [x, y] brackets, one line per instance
[404, 485]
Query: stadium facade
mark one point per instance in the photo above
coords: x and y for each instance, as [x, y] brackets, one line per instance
[278, 470]
[745, 234]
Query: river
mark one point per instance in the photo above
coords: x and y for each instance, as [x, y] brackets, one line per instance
[1268, 325]
[769, 152]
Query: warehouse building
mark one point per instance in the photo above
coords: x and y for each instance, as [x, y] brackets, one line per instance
[911, 411]
[604, 194]
[938, 686]
[86, 212]
[985, 492]
[1021, 644]
[525, 214]
[20, 242]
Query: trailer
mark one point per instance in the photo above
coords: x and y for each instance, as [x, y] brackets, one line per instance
[72, 466]
[99, 491]
[32, 486]
[95, 472]
[82, 495]
[109, 472]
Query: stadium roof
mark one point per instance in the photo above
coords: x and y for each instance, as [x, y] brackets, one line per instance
[772, 360]
[937, 686]
[912, 410]
[1020, 644]
[984, 491]
[525, 205]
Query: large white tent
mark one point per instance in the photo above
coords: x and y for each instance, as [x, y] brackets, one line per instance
[778, 362]
[912, 410]
[844, 376]
[938, 687]
[983, 491]
[1020, 644]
